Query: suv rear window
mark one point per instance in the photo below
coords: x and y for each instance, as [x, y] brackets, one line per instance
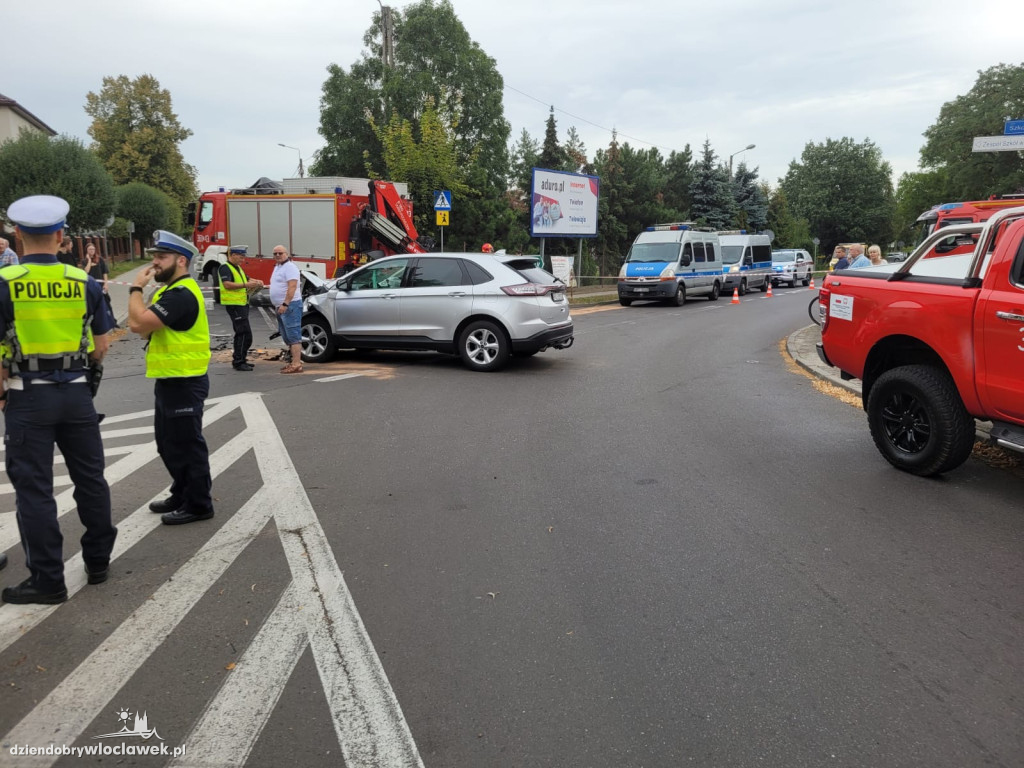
[528, 268]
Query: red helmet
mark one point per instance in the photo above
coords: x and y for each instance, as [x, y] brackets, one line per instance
[488, 248]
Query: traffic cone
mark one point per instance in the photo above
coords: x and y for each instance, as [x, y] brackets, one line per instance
[769, 294]
[811, 286]
[735, 296]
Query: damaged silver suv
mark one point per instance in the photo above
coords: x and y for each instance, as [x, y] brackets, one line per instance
[484, 307]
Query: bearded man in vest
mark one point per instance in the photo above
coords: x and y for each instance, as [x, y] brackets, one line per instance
[177, 356]
[54, 325]
[234, 295]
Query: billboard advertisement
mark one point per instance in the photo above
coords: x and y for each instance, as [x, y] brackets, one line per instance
[563, 204]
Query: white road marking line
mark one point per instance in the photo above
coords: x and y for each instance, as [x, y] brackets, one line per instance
[63, 715]
[115, 472]
[368, 720]
[268, 318]
[341, 377]
[232, 723]
[129, 417]
[15, 620]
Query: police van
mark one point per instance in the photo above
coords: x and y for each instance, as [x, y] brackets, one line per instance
[746, 261]
[672, 262]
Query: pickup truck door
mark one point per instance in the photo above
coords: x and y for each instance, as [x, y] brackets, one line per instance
[1001, 339]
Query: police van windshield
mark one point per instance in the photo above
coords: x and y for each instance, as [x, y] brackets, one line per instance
[653, 252]
[731, 254]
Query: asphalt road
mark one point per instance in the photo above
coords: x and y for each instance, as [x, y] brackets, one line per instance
[661, 547]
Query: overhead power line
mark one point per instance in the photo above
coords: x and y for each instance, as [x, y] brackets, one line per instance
[590, 122]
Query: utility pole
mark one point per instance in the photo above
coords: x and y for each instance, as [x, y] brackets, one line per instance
[387, 32]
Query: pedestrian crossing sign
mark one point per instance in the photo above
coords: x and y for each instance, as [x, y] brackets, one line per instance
[442, 200]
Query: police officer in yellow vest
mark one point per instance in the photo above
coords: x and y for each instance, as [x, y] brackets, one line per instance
[178, 356]
[235, 298]
[53, 320]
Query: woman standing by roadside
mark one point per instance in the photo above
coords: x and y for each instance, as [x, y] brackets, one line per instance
[97, 268]
[875, 254]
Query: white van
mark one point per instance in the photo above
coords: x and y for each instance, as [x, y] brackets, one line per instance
[746, 261]
[672, 262]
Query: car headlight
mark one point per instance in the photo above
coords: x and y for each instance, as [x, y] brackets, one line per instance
[734, 269]
[668, 274]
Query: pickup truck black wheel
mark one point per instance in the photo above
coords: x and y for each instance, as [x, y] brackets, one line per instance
[483, 346]
[807, 279]
[626, 302]
[317, 340]
[918, 421]
[680, 298]
[716, 291]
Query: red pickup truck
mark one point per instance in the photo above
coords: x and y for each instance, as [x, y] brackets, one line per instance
[937, 341]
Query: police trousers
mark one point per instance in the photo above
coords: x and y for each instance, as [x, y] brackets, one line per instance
[178, 424]
[37, 417]
[239, 314]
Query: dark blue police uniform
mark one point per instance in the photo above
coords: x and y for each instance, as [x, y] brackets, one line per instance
[50, 407]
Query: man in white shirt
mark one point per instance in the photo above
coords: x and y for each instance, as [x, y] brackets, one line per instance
[284, 294]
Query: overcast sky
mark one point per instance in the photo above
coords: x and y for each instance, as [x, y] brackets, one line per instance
[246, 75]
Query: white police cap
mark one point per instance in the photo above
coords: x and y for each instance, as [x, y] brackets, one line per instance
[39, 214]
[240, 249]
[168, 242]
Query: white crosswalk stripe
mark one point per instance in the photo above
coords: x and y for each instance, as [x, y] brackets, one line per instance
[315, 610]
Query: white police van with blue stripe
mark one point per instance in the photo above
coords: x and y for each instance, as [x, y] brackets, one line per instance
[672, 262]
[746, 260]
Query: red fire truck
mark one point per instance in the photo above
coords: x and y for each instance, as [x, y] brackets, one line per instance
[947, 214]
[330, 225]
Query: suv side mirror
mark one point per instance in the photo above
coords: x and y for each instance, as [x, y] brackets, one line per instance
[341, 285]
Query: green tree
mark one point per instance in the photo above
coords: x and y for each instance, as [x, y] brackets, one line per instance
[916, 193]
[145, 206]
[646, 178]
[552, 156]
[612, 232]
[710, 192]
[678, 181]
[575, 153]
[525, 156]
[751, 203]
[424, 156]
[790, 231]
[136, 135]
[433, 57]
[34, 164]
[997, 96]
[844, 191]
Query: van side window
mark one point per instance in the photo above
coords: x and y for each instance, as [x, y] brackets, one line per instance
[748, 258]
[762, 253]
[711, 251]
[687, 252]
[698, 251]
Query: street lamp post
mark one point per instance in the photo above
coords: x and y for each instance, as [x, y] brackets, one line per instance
[749, 146]
[301, 173]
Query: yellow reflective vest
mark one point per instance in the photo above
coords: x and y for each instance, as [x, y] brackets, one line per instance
[176, 354]
[51, 322]
[234, 296]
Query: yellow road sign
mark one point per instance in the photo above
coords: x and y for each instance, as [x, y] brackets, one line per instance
[442, 218]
